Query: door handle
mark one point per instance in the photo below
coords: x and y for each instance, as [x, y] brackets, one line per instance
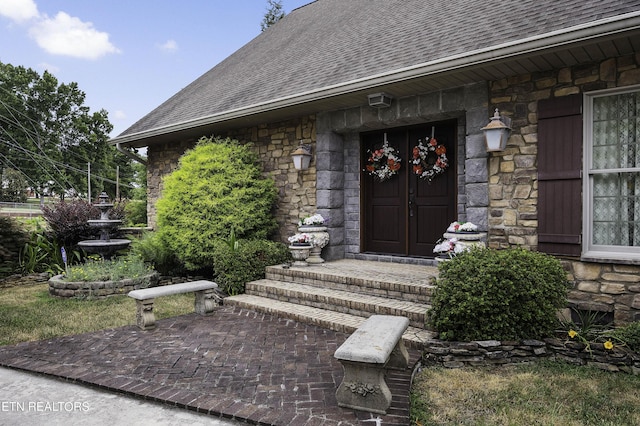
[411, 202]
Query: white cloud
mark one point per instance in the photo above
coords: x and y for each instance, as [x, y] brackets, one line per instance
[169, 46]
[119, 115]
[19, 10]
[69, 36]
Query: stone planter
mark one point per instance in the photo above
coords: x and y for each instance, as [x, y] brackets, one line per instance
[58, 287]
[320, 240]
[300, 253]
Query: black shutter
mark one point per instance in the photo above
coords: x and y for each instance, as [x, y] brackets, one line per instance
[560, 175]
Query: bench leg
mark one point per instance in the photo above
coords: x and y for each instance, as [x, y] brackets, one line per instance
[144, 314]
[205, 302]
[399, 357]
[363, 388]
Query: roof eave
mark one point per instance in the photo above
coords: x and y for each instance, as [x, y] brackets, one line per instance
[579, 34]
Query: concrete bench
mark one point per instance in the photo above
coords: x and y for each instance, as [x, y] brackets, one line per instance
[375, 346]
[204, 304]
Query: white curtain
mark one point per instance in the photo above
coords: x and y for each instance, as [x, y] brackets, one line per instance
[616, 195]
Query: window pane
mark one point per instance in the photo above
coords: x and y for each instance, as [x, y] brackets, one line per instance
[616, 209]
[616, 131]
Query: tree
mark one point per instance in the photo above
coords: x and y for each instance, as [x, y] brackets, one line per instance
[273, 15]
[12, 187]
[49, 135]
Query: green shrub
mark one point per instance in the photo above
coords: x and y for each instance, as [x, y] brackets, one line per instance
[628, 335]
[217, 187]
[156, 252]
[234, 267]
[12, 239]
[486, 294]
[135, 212]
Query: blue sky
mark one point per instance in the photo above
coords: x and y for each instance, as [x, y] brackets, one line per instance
[128, 56]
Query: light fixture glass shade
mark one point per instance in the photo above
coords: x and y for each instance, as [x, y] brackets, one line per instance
[301, 158]
[496, 133]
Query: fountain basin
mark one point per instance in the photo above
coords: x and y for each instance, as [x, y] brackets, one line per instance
[107, 248]
[99, 223]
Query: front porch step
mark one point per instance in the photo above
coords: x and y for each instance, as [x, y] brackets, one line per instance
[414, 283]
[349, 302]
[338, 321]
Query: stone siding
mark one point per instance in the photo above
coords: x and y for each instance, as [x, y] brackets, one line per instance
[274, 143]
[513, 189]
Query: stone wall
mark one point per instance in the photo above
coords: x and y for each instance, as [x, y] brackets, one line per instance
[513, 187]
[274, 143]
[607, 288]
[493, 352]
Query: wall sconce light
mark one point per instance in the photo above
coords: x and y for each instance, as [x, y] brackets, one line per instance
[380, 100]
[301, 157]
[497, 132]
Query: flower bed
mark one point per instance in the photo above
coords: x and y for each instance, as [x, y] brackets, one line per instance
[58, 287]
[493, 352]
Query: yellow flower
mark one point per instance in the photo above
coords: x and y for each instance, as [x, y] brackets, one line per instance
[573, 333]
[608, 344]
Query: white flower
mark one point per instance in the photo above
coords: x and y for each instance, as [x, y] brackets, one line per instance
[468, 227]
[316, 219]
[300, 238]
[453, 227]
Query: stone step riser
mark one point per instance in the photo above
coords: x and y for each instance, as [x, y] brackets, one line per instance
[348, 303]
[345, 323]
[398, 291]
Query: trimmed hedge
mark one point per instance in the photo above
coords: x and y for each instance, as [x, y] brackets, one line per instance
[234, 267]
[486, 294]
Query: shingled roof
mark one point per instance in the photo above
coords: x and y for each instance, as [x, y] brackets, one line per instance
[333, 47]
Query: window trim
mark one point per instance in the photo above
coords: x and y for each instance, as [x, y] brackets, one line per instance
[590, 251]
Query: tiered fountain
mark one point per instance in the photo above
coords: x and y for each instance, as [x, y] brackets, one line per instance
[105, 246]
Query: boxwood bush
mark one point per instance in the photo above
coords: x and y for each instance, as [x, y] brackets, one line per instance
[218, 187]
[486, 294]
[237, 264]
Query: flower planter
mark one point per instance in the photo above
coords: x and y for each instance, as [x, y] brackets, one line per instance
[300, 253]
[58, 287]
[319, 239]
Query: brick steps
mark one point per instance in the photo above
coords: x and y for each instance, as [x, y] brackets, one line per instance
[337, 321]
[404, 282]
[348, 302]
[340, 295]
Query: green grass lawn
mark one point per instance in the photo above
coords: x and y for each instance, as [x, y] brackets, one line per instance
[28, 313]
[540, 393]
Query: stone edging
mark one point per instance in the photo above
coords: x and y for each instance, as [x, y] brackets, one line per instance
[98, 289]
[493, 352]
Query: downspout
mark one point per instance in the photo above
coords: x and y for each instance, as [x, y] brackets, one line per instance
[133, 156]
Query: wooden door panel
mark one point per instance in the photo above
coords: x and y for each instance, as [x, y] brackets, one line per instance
[427, 229]
[406, 215]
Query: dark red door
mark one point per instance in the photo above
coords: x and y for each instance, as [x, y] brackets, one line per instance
[406, 214]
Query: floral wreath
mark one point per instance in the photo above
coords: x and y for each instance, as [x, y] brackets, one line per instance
[383, 163]
[424, 168]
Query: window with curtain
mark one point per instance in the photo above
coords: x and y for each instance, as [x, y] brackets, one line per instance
[612, 124]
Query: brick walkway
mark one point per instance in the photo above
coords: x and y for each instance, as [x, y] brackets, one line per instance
[236, 364]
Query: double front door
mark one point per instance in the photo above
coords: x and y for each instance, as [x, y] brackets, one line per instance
[406, 214]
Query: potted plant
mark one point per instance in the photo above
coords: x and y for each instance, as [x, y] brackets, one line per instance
[315, 226]
[300, 247]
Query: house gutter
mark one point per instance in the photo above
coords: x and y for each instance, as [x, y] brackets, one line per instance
[580, 33]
